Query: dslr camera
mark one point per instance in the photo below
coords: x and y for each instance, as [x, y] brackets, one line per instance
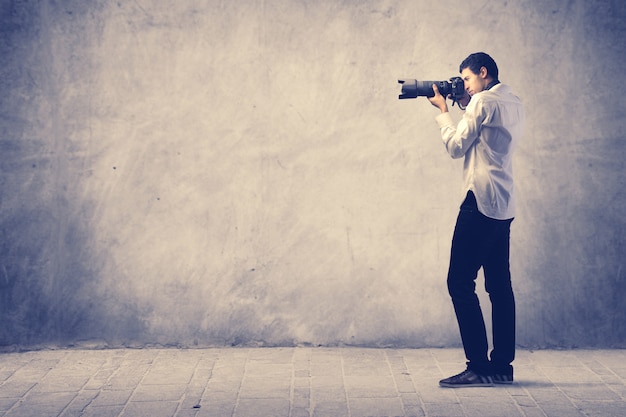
[453, 89]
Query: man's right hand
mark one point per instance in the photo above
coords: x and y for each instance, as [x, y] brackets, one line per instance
[464, 101]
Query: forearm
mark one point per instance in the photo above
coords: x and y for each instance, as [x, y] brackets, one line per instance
[443, 107]
[453, 140]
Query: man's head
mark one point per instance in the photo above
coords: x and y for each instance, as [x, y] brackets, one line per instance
[478, 71]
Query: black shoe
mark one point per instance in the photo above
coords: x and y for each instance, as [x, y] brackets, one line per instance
[467, 378]
[503, 379]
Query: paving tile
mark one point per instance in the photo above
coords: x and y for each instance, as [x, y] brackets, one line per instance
[262, 407]
[411, 400]
[150, 409]
[112, 398]
[499, 406]
[219, 397]
[268, 370]
[326, 365]
[105, 411]
[299, 412]
[592, 392]
[167, 376]
[371, 407]
[7, 403]
[301, 399]
[404, 384]
[158, 392]
[327, 384]
[61, 383]
[443, 409]
[365, 362]
[431, 393]
[42, 405]
[79, 403]
[17, 387]
[370, 386]
[329, 408]
[271, 387]
[602, 408]
[414, 411]
[216, 409]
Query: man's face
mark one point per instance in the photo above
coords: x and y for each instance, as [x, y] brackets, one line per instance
[474, 83]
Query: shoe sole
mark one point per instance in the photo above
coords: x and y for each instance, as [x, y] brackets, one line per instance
[444, 385]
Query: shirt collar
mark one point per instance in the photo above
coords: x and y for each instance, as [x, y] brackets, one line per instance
[492, 84]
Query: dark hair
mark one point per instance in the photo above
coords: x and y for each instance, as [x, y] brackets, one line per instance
[478, 60]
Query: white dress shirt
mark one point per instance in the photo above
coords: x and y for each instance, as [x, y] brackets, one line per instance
[491, 127]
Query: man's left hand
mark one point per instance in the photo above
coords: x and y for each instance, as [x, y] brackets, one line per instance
[438, 100]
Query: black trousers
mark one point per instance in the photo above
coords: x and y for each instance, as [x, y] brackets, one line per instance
[480, 241]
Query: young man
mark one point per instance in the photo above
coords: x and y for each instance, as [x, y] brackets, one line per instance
[485, 138]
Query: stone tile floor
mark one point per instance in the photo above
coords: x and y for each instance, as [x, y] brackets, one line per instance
[298, 382]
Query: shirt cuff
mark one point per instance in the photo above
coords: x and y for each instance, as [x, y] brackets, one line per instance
[444, 120]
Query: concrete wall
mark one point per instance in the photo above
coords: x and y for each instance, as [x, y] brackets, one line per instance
[215, 172]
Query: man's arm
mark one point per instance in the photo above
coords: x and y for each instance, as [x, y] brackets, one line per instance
[459, 139]
[438, 100]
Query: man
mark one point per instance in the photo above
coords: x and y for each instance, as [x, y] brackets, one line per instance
[485, 137]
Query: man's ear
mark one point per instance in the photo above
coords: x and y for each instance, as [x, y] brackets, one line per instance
[482, 72]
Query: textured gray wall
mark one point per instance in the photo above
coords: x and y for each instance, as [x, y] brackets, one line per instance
[211, 172]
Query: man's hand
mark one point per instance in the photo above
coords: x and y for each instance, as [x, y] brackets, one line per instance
[438, 100]
[465, 100]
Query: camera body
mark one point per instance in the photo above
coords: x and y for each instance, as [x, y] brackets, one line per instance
[454, 89]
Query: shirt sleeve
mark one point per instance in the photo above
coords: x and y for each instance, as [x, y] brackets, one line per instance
[459, 139]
